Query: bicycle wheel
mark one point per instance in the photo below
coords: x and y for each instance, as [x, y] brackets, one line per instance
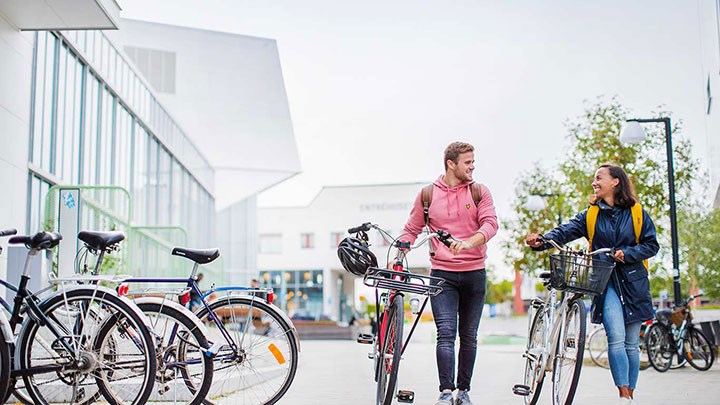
[391, 334]
[698, 350]
[598, 348]
[67, 360]
[569, 356]
[4, 365]
[660, 347]
[534, 368]
[184, 372]
[257, 351]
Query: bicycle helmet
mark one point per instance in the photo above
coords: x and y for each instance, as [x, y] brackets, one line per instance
[355, 255]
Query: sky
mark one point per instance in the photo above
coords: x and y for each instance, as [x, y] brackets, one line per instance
[377, 89]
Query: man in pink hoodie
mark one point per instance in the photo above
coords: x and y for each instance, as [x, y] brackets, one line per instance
[458, 308]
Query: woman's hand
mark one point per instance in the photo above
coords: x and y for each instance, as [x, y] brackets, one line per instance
[533, 240]
[620, 256]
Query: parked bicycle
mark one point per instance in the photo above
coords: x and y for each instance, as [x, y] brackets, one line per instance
[598, 348]
[388, 344]
[556, 337]
[253, 345]
[79, 344]
[674, 334]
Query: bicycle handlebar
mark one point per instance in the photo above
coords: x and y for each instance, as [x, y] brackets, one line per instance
[445, 237]
[567, 249]
[8, 232]
[362, 228]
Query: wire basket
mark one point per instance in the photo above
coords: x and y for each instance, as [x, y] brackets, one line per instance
[403, 281]
[579, 273]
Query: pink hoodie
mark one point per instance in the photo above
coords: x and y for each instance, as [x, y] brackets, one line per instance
[453, 210]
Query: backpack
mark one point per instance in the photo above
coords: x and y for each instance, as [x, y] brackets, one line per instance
[427, 192]
[637, 216]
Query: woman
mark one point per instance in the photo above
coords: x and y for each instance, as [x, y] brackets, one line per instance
[626, 301]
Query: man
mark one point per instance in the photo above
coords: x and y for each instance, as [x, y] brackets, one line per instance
[469, 215]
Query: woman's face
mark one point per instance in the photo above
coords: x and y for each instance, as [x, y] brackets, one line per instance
[604, 184]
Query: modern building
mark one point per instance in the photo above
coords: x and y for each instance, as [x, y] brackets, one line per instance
[162, 130]
[297, 246]
[709, 28]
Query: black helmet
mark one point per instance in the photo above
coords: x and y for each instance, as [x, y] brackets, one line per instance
[355, 255]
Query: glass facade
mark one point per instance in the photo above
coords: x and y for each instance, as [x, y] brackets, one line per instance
[94, 121]
[298, 292]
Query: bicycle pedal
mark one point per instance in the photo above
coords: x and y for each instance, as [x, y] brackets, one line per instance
[365, 339]
[522, 390]
[406, 396]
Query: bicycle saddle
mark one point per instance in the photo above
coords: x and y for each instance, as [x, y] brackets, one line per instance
[100, 240]
[41, 240]
[199, 256]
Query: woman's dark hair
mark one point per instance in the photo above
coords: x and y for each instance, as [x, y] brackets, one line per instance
[625, 196]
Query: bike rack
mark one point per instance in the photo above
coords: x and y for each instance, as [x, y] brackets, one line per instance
[403, 281]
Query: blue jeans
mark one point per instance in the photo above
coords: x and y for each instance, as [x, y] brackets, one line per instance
[622, 338]
[457, 308]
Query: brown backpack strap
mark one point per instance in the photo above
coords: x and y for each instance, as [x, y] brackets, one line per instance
[426, 198]
[476, 190]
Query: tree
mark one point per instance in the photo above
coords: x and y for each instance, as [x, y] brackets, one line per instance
[593, 139]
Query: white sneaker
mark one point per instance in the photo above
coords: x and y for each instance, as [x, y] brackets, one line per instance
[446, 398]
[624, 401]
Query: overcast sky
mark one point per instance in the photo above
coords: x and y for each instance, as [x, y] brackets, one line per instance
[377, 89]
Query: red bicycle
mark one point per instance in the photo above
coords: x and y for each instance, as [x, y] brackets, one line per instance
[387, 340]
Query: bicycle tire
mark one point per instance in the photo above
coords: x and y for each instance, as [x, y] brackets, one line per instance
[569, 355]
[702, 353]
[266, 343]
[598, 349]
[660, 345]
[70, 306]
[390, 352]
[198, 380]
[5, 364]
[535, 340]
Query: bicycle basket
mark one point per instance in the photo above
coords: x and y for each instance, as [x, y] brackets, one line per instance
[678, 316]
[579, 273]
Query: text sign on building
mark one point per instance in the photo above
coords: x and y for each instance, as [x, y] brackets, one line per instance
[68, 226]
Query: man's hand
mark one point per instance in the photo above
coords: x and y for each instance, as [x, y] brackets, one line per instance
[460, 245]
[533, 240]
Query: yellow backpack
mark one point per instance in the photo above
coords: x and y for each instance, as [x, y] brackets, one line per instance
[637, 215]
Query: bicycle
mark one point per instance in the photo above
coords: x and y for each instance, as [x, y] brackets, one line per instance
[180, 338]
[556, 336]
[597, 346]
[253, 345]
[68, 348]
[388, 345]
[674, 334]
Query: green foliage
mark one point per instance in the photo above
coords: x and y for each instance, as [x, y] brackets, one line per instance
[593, 139]
[497, 292]
[700, 251]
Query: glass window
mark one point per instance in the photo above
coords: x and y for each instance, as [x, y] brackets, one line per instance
[164, 191]
[307, 240]
[92, 131]
[336, 238]
[270, 243]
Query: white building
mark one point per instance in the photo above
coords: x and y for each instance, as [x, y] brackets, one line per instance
[160, 126]
[297, 246]
[709, 28]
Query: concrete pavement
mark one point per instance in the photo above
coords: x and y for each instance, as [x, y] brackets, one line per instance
[334, 371]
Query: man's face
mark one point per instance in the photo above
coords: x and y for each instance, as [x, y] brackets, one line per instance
[464, 168]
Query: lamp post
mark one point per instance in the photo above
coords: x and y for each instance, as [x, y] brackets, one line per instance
[634, 133]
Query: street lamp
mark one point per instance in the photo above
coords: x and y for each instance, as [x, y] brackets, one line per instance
[536, 202]
[634, 133]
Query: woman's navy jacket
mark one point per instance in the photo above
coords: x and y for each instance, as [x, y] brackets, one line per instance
[614, 229]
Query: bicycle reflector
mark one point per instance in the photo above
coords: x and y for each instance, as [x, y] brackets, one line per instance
[270, 297]
[123, 289]
[184, 297]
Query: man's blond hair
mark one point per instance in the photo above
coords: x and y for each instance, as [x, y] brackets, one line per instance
[454, 150]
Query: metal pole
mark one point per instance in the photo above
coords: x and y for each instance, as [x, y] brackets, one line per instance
[673, 207]
[673, 214]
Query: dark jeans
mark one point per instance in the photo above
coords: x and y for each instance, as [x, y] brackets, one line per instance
[458, 308]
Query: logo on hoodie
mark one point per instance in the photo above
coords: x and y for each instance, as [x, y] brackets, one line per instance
[467, 206]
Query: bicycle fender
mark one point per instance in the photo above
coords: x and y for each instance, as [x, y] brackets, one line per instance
[174, 305]
[5, 327]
